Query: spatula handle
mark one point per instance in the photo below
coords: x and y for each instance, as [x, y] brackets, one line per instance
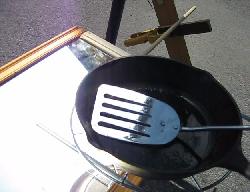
[211, 128]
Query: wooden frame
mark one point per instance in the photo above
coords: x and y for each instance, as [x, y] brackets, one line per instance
[132, 178]
[26, 60]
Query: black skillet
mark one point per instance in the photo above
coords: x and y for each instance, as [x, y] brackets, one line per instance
[187, 89]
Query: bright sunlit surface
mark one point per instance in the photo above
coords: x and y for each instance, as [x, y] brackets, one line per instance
[32, 160]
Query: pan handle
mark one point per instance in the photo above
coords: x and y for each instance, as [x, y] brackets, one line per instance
[236, 161]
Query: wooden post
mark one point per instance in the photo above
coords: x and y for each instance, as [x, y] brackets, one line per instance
[167, 15]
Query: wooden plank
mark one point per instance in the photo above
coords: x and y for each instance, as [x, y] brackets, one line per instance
[132, 178]
[103, 45]
[167, 15]
[26, 60]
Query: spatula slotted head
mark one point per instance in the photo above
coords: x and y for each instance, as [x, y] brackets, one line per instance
[133, 117]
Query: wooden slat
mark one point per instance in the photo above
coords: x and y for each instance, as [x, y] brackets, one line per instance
[24, 61]
[132, 178]
[167, 15]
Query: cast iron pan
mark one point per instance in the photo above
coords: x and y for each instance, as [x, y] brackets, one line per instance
[187, 89]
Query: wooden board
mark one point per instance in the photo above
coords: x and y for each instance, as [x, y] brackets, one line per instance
[132, 178]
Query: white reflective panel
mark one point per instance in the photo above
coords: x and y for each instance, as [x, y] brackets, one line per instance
[31, 160]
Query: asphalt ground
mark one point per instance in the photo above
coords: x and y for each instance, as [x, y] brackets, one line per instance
[225, 52]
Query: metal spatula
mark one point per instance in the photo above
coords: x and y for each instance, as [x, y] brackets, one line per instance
[134, 117]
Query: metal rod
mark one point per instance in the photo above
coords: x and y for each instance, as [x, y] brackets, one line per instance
[197, 184]
[57, 137]
[211, 128]
[218, 181]
[169, 31]
[109, 173]
[246, 117]
[113, 176]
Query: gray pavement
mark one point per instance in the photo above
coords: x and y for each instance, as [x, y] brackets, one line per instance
[225, 52]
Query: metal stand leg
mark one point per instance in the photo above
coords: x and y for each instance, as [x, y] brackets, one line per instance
[114, 20]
